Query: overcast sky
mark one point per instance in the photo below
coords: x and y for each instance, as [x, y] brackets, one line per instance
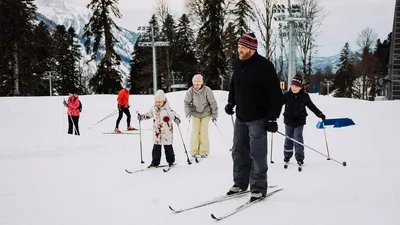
[344, 20]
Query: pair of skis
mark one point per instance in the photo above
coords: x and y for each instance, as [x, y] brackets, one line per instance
[227, 197]
[166, 168]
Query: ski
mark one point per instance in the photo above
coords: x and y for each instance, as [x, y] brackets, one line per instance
[119, 133]
[215, 200]
[169, 168]
[244, 206]
[197, 159]
[145, 169]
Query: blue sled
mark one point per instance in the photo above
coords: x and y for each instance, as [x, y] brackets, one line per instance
[337, 123]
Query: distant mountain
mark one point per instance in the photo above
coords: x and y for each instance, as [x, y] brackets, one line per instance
[60, 12]
[322, 62]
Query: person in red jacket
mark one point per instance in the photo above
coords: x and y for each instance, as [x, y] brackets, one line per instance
[123, 107]
[73, 112]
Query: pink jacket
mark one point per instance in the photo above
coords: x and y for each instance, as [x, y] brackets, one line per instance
[73, 104]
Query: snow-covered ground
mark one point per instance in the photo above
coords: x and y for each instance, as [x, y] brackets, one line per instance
[48, 177]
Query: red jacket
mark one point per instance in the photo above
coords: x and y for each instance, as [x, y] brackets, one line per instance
[73, 104]
[123, 98]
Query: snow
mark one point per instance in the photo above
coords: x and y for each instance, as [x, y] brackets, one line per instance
[49, 177]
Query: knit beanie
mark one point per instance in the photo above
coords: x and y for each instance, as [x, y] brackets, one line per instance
[297, 80]
[197, 79]
[249, 41]
[160, 96]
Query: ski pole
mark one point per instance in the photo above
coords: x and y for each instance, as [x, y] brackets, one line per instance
[326, 141]
[272, 145]
[233, 121]
[222, 136]
[188, 129]
[110, 115]
[140, 137]
[184, 146]
[343, 163]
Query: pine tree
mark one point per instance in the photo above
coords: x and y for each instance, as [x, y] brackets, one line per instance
[345, 76]
[243, 13]
[382, 58]
[230, 50]
[60, 54]
[169, 34]
[141, 70]
[186, 61]
[212, 59]
[107, 79]
[42, 58]
[16, 25]
[73, 58]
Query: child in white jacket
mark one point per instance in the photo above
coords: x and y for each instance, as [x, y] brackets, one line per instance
[163, 116]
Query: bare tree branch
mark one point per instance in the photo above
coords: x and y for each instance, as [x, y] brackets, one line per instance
[263, 20]
[366, 39]
[307, 31]
[162, 9]
[196, 12]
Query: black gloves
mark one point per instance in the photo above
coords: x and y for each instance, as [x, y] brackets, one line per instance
[177, 120]
[322, 116]
[139, 117]
[214, 120]
[229, 109]
[272, 126]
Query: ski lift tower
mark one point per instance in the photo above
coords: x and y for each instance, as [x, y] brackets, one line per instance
[143, 30]
[290, 14]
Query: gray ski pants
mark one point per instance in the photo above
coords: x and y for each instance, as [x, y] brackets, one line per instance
[249, 154]
[297, 134]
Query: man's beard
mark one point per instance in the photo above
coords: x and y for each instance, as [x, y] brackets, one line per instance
[244, 56]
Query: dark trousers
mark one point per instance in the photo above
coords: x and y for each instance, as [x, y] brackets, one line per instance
[297, 134]
[120, 114]
[249, 154]
[73, 124]
[169, 154]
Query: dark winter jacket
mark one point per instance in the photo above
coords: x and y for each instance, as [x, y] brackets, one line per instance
[295, 108]
[255, 90]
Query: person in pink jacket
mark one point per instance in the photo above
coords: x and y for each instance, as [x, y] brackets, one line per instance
[73, 112]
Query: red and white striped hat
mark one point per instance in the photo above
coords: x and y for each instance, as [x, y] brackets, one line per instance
[249, 41]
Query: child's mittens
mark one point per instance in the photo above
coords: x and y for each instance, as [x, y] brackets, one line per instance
[177, 120]
[322, 116]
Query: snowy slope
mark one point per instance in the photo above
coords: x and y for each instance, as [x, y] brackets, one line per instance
[49, 177]
[61, 12]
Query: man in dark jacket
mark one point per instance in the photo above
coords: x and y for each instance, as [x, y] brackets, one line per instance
[295, 114]
[255, 92]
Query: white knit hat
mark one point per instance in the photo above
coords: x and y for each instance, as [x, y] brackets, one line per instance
[197, 79]
[160, 96]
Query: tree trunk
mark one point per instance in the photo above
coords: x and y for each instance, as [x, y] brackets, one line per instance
[16, 70]
[168, 72]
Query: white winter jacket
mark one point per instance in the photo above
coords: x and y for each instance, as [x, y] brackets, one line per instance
[163, 120]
